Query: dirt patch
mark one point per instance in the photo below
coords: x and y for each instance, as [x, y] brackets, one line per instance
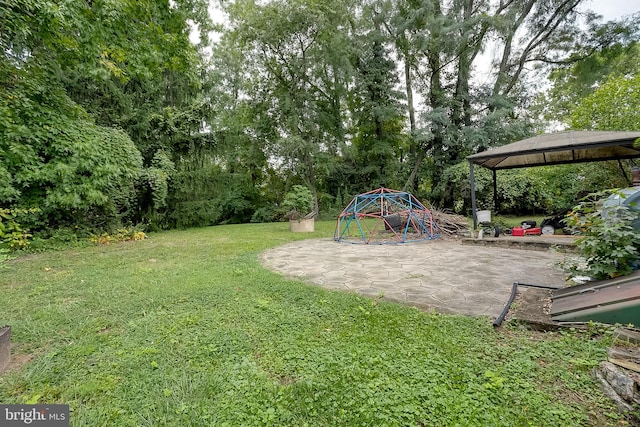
[23, 258]
[533, 307]
[286, 380]
[18, 360]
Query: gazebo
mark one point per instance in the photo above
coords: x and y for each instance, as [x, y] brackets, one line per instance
[554, 149]
[385, 216]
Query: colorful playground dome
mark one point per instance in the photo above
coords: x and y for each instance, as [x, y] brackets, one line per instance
[385, 216]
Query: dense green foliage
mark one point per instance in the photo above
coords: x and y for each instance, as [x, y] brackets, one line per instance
[131, 334]
[81, 85]
[610, 49]
[610, 240]
[613, 106]
[57, 160]
[299, 201]
[542, 190]
[111, 116]
[12, 234]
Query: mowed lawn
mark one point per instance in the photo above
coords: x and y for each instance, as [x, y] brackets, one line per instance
[186, 328]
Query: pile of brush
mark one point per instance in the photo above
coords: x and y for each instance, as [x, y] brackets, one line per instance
[450, 224]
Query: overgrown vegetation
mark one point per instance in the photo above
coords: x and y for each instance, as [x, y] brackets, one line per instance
[111, 117]
[120, 235]
[12, 235]
[186, 328]
[299, 202]
[610, 241]
[540, 190]
[4, 257]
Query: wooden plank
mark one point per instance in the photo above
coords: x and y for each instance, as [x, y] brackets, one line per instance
[632, 366]
[627, 335]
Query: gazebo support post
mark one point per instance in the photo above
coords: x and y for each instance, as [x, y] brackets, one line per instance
[624, 173]
[473, 196]
[496, 207]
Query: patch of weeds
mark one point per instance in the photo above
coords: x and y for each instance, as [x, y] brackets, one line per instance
[4, 257]
[119, 235]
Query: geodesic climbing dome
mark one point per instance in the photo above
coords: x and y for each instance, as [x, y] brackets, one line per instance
[385, 216]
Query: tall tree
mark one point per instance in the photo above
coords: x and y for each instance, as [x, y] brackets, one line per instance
[379, 120]
[299, 57]
[139, 60]
[53, 157]
[463, 114]
[607, 49]
[612, 106]
[121, 61]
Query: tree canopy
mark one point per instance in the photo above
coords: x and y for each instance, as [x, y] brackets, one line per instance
[109, 113]
[612, 106]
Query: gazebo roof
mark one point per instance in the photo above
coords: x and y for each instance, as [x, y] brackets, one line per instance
[559, 148]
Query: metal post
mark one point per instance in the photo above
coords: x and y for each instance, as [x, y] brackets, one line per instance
[473, 196]
[496, 207]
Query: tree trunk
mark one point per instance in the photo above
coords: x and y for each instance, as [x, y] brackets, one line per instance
[411, 108]
[461, 112]
[437, 99]
[412, 181]
[311, 177]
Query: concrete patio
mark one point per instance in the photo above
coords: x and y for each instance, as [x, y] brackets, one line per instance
[444, 275]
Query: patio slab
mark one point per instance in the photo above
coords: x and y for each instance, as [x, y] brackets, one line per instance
[443, 275]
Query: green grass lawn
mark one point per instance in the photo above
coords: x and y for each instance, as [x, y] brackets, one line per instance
[187, 329]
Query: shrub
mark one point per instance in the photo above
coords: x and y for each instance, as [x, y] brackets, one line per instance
[265, 214]
[609, 244]
[56, 158]
[12, 234]
[299, 201]
[120, 235]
